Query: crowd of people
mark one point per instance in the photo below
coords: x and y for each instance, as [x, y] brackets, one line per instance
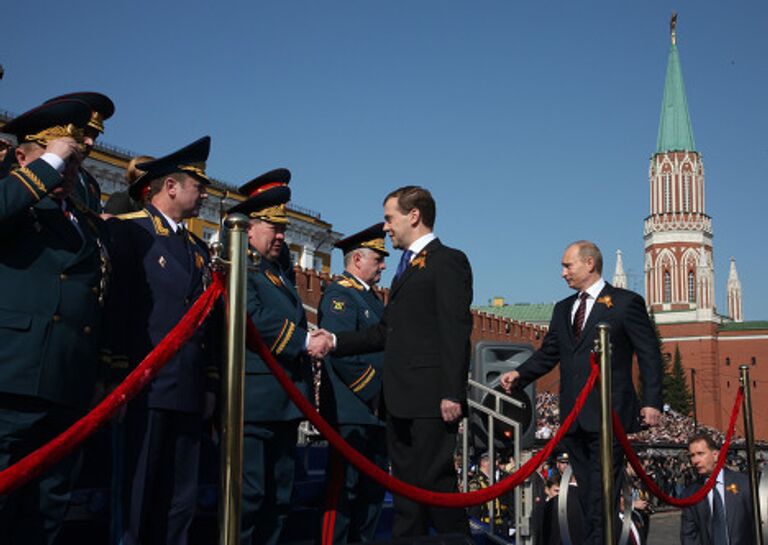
[88, 294]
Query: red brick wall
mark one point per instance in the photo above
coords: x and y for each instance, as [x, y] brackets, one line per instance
[716, 356]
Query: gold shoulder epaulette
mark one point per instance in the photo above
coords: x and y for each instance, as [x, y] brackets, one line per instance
[349, 283]
[133, 215]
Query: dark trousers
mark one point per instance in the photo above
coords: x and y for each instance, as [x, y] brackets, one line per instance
[359, 500]
[421, 450]
[161, 473]
[584, 451]
[268, 472]
[33, 514]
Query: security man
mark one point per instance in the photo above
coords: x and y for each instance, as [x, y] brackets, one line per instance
[271, 419]
[351, 388]
[87, 190]
[53, 271]
[160, 271]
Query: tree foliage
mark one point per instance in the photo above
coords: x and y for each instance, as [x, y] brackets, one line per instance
[677, 394]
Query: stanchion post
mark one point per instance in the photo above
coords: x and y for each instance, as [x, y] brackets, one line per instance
[749, 432]
[606, 433]
[232, 415]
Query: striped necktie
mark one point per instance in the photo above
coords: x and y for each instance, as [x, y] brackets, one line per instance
[581, 312]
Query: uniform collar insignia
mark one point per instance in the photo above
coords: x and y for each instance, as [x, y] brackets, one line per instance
[275, 279]
[160, 229]
[350, 282]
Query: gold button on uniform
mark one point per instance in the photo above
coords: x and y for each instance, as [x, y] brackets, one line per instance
[63, 276]
[56, 318]
[87, 330]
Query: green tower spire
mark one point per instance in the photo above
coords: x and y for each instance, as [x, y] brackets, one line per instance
[675, 131]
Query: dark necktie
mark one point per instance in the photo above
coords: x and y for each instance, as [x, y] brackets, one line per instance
[405, 260]
[581, 312]
[719, 528]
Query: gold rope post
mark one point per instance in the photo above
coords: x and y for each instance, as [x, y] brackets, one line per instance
[749, 432]
[606, 432]
[232, 416]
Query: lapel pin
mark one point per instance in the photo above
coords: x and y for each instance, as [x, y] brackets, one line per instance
[162, 261]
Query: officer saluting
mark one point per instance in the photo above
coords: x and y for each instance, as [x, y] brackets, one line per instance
[87, 190]
[53, 274]
[351, 386]
[160, 271]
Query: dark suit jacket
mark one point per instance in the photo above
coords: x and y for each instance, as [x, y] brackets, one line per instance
[350, 386]
[87, 191]
[631, 333]
[424, 334]
[278, 314]
[51, 277]
[695, 524]
[158, 276]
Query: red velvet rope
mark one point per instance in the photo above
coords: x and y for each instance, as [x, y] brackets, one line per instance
[440, 499]
[37, 462]
[337, 479]
[653, 488]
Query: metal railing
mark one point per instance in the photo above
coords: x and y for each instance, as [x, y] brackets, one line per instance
[492, 417]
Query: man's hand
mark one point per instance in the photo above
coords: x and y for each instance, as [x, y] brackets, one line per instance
[509, 380]
[320, 343]
[66, 148]
[650, 416]
[450, 410]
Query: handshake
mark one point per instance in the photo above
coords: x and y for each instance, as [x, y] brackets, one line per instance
[321, 342]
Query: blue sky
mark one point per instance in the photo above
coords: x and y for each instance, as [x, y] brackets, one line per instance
[531, 121]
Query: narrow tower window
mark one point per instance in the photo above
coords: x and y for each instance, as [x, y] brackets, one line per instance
[691, 287]
[667, 193]
[667, 287]
[687, 192]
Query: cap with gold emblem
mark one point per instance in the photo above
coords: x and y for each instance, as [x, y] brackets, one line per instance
[50, 121]
[189, 160]
[267, 196]
[102, 107]
[372, 238]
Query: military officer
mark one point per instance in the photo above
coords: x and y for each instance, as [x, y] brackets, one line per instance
[160, 271]
[271, 419]
[501, 511]
[351, 388]
[87, 190]
[53, 269]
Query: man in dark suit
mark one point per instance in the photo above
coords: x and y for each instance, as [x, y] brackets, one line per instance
[87, 191]
[351, 388]
[271, 419]
[724, 517]
[53, 272]
[160, 271]
[569, 341]
[425, 337]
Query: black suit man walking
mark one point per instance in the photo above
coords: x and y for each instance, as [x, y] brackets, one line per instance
[569, 341]
[425, 337]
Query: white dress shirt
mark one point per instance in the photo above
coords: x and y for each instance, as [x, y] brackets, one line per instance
[592, 292]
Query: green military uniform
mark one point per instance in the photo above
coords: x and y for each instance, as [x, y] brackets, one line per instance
[349, 397]
[53, 267]
[271, 419]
